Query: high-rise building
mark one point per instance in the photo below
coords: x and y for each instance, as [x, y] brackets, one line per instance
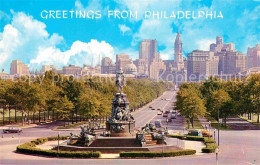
[19, 68]
[149, 63]
[122, 60]
[253, 57]
[107, 66]
[175, 69]
[230, 61]
[201, 64]
[148, 50]
[178, 54]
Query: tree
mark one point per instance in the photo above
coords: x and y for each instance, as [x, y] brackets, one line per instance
[222, 102]
[65, 108]
[190, 104]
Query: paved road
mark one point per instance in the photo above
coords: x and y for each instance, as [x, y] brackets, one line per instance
[164, 103]
[237, 147]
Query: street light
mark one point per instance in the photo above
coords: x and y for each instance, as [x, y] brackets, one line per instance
[58, 142]
[218, 127]
[167, 120]
[214, 134]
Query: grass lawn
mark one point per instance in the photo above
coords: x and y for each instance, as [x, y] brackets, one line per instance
[253, 121]
[214, 124]
[196, 124]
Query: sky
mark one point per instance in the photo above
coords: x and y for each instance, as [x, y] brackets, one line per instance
[26, 36]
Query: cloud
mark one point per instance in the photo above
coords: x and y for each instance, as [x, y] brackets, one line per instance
[124, 29]
[79, 53]
[204, 44]
[27, 39]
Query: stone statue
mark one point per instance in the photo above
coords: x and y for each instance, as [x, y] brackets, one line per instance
[121, 121]
[120, 81]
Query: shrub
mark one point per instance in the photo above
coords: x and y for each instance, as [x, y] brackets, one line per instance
[208, 150]
[195, 138]
[29, 148]
[177, 136]
[209, 140]
[157, 154]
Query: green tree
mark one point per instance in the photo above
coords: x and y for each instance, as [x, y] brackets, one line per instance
[222, 102]
[190, 104]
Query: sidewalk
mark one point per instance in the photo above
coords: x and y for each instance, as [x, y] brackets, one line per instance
[204, 122]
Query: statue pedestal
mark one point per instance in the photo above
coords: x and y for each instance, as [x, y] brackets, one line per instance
[121, 129]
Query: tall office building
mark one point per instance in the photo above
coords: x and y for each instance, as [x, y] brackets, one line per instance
[253, 57]
[107, 66]
[148, 50]
[230, 61]
[19, 68]
[122, 60]
[149, 63]
[201, 64]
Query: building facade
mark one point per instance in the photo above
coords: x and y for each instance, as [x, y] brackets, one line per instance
[176, 70]
[107, 66]
[19, 68]
[253, 57]
[201, 64]
[230, 61]
[122, 60]
[71, 70]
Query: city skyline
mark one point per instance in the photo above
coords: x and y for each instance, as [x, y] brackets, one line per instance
[63, 43]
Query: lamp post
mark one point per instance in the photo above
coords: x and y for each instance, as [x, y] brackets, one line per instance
[214, 134]
[218, 127]
[58, 141]
[167, 120]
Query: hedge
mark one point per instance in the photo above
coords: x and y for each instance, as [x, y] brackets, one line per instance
[29, 148]
[209, 142]
[136, 154]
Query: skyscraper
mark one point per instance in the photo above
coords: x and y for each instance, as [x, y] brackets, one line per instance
[19, 68]
[122, 60]
[148, 50]
[107, 67]
[253, 57]
[201, 64]
[230, 61]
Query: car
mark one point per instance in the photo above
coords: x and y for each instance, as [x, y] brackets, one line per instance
[169, 120]
[158, 124]
[158, 109]
[12, 130]
[167, 111]
[173, 116]
[165, 115]
[195, 132]
[150, 106]
[153, 109]
[159, 113]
